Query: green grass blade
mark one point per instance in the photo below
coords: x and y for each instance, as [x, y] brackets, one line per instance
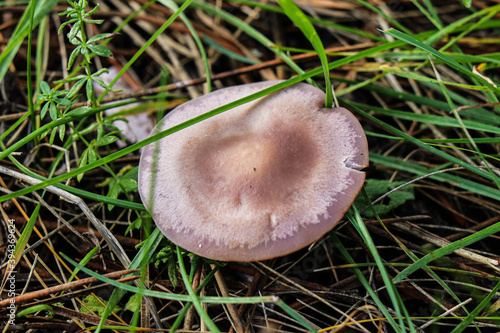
[300, 20]
[475, 313]
[431, 119]
[396, 300]
[15, 254]
[140, 260]
[365, 283]
[42, 9]
[172, 5]
[420, 143]
[31, 109]
[471, 239]
[381, 13]
[419, 170]
[447, 60]
[147, 44]
[172, 296]
[192, 294]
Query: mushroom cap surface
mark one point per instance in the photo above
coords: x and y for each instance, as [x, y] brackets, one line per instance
[259, 181]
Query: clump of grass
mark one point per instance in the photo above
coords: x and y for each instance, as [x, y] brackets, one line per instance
[421, 76]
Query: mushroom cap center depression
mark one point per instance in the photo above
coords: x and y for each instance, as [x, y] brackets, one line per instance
[253, 171]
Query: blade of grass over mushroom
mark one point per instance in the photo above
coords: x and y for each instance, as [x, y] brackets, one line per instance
[300, 20]
[131, 148]
[365, 283]
[447, 60]
[20, 245]
[397, 303]
[468, 240]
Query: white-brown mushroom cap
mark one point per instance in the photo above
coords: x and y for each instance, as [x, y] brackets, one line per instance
[259, 181]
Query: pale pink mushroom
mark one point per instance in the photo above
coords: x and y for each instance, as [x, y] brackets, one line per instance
[259, 181]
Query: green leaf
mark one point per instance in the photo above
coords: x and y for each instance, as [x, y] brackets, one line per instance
[44, 110]
[93, 21]
[62, 131]
[95, 304]
[125, 181]
[134, 302]
[100, 50]
[53, 111]
[44, 87]
[89, 89]
[376, 188]
[105, 140]
[52, 136]
[92, 11]
[73, 56]
[76, 87]
[467, 3]
[136, 224]
[79, 111]
[36, 308]
[63, 101]
[65, 24]
[93, 156]
[172, 271]
[100, 37]
[83, 161]
[75, 29]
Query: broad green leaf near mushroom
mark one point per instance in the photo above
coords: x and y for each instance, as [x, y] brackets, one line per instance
[259, 181]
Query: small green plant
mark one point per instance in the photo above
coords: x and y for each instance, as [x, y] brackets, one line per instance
[57, 102]
[125, 180]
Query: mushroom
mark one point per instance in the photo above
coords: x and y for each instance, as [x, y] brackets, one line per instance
[259, 181]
